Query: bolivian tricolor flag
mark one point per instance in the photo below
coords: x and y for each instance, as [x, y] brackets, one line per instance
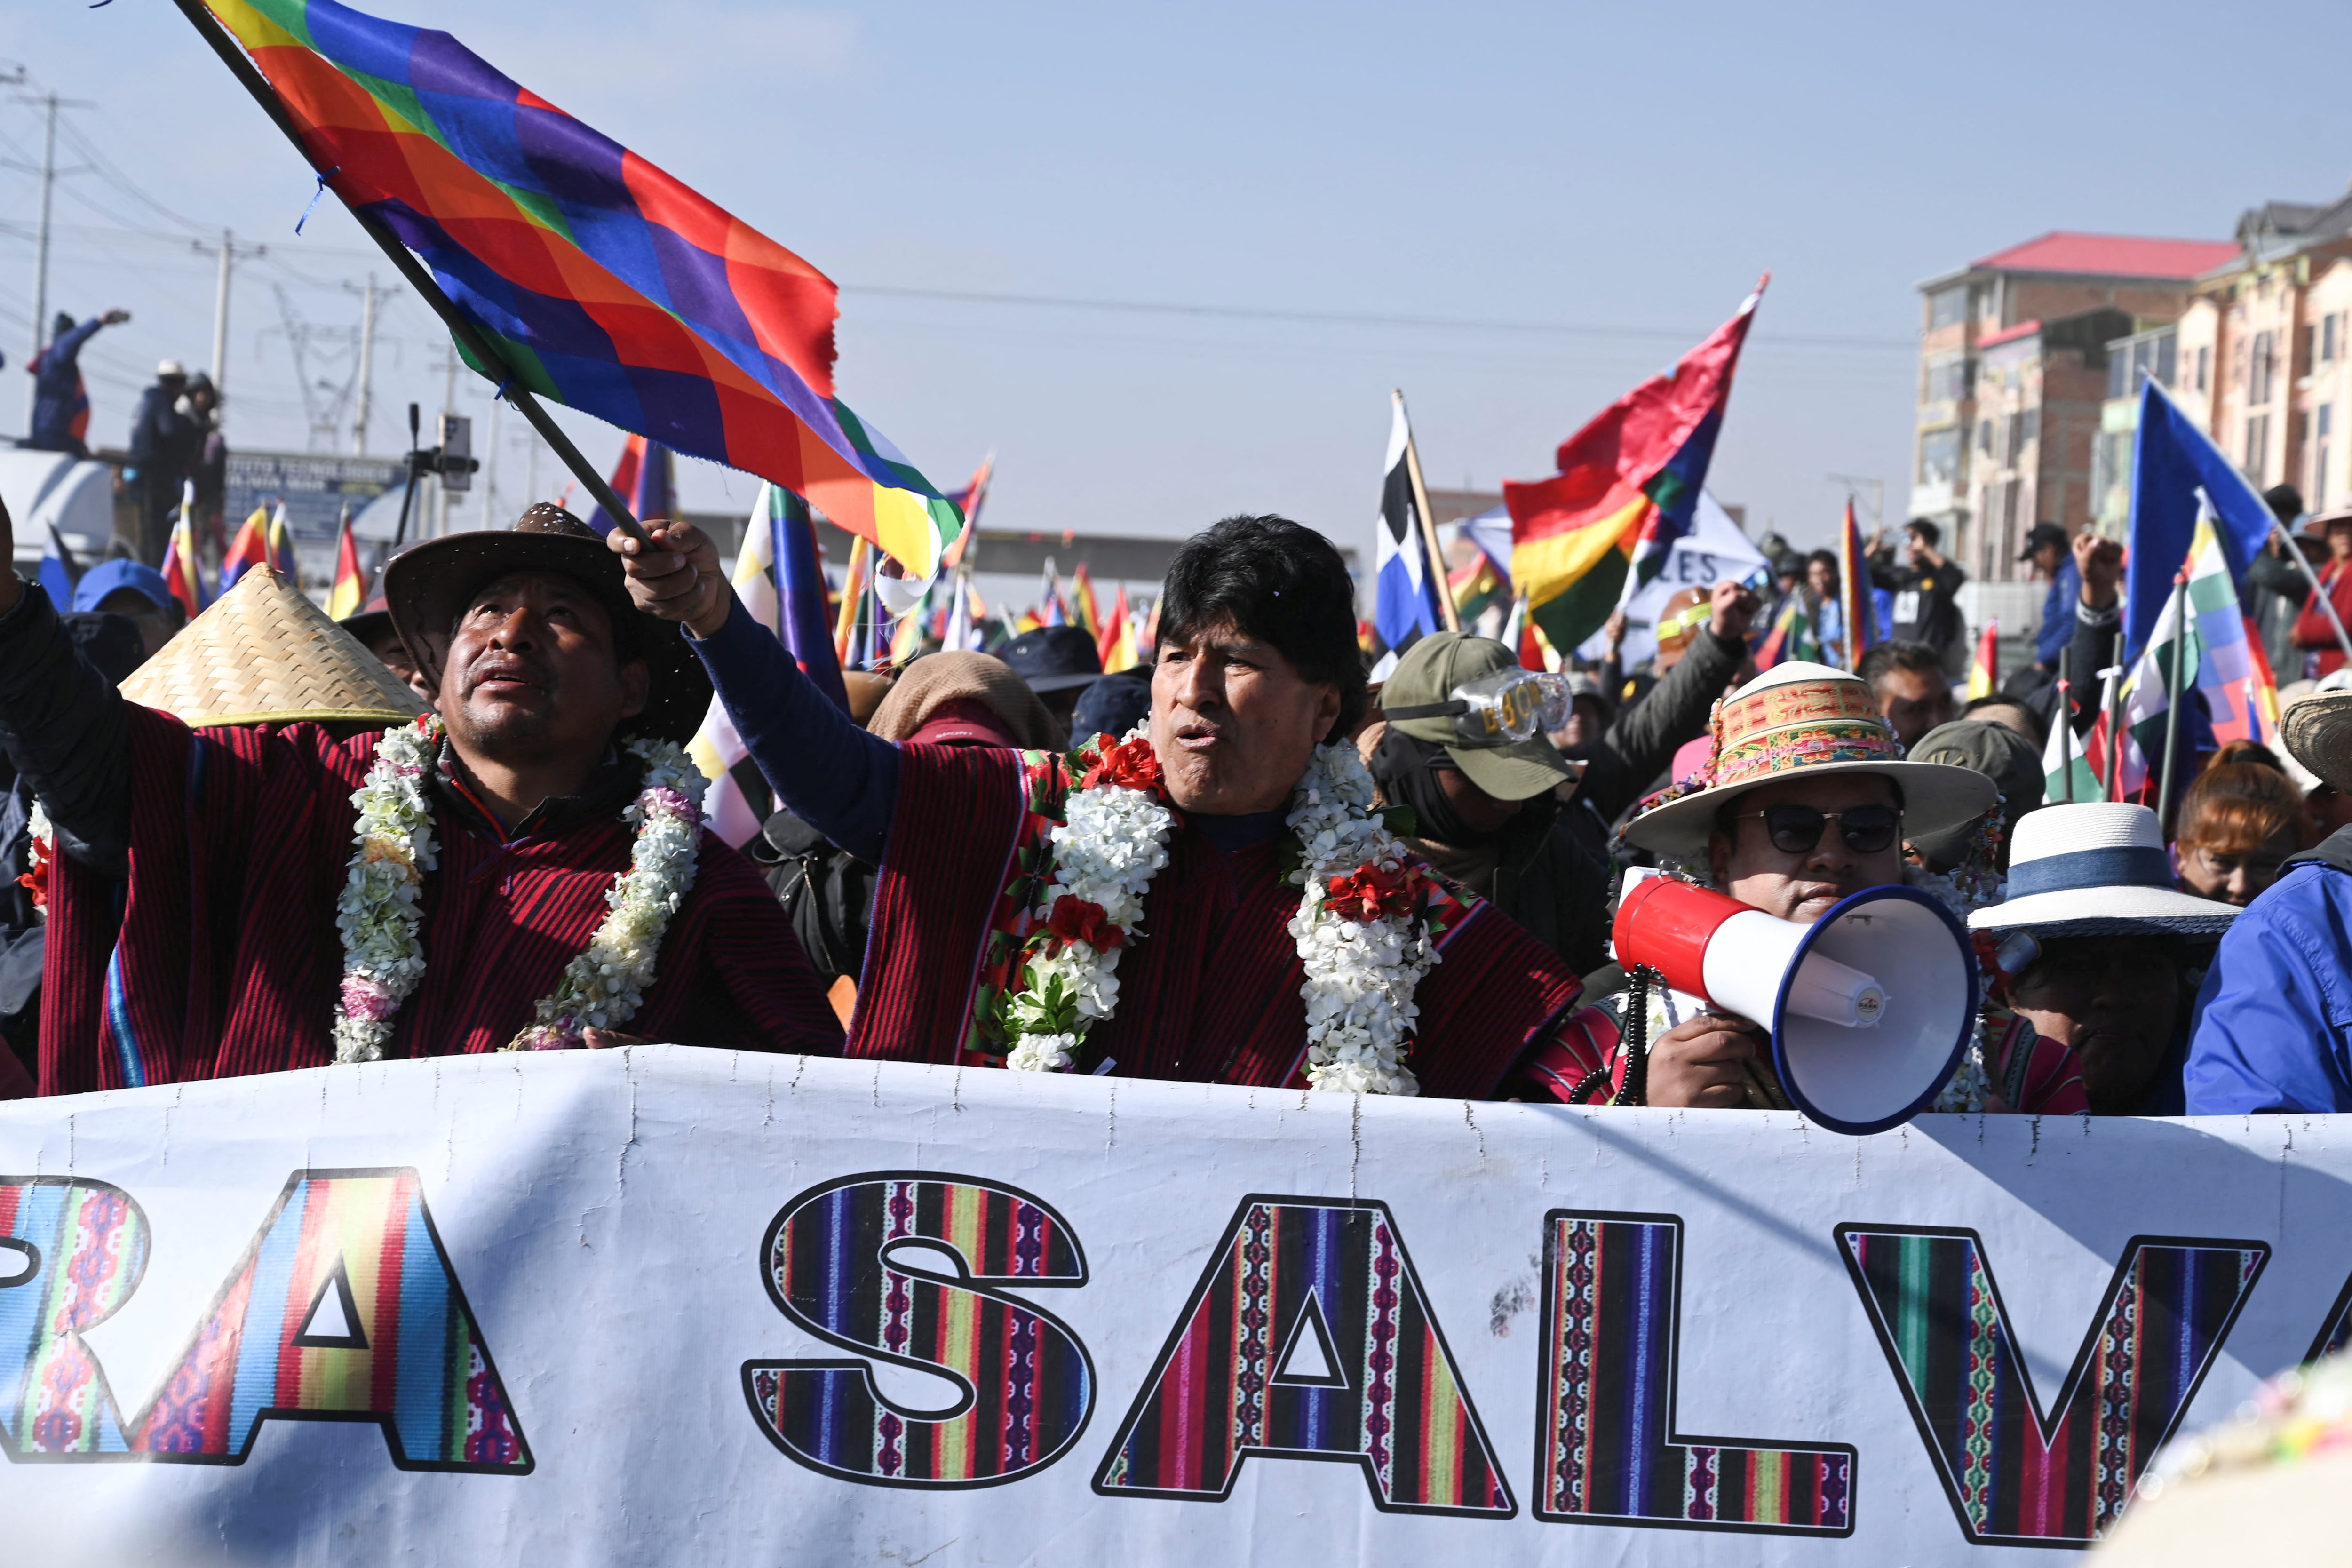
[1627, 487]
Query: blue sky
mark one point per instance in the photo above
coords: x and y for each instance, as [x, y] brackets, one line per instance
[1625, 171]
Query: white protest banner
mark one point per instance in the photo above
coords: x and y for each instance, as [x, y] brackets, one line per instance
[670, 1306]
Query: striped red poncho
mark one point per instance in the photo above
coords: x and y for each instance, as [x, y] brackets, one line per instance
[1209, 992]
[220, 956]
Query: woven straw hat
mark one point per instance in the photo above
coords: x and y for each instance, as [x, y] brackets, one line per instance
[1807, 719]
[264, 654]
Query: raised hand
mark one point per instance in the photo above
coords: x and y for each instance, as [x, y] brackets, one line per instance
[1731, 610]
[2101, 563]
[676, 575]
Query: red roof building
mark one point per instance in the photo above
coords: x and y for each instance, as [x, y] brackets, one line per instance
[2012, 373]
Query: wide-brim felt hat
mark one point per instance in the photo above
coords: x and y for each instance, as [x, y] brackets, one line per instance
[2317, 730]
[2096, 868]
[1054, 659]
[427, 587]
[1807, 720]
[264, 654]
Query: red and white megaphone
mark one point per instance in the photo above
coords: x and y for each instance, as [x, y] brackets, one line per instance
[1870, 1006]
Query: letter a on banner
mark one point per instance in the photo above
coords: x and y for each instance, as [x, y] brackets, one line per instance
[1607, 1452]
[1309, 1337]
[71, 1254]
[344, 1308]
[2015, 1477]
[841, 1261]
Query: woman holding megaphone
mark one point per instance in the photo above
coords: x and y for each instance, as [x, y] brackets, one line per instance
[1784, 961]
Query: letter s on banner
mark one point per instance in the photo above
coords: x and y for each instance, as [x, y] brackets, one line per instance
[83, 1246]
[1308, 1337]
[831, 1265]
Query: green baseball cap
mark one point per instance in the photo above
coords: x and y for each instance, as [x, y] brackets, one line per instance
[1427, 675]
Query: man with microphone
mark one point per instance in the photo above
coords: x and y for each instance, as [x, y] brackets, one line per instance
[1806, 800]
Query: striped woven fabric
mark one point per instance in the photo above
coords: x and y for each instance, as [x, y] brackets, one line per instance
[1032, 1387]
[346, 1306]
[90, 1243]
[1209, 994]
[1608, 1451]
[600, 280]
[2014, 1475]
[1310, 1338]
[221, 958]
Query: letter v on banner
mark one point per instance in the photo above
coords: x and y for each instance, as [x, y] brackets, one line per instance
[2015, 1477]
[1606, 1447]
[1295, 1282]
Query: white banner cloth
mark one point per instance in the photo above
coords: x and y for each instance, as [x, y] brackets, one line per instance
[564, 1309]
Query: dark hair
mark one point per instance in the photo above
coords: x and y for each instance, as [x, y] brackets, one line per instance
[2285, 502]
[1830, 556]
[1929, 534]
[1901, 654]
[1281, 582]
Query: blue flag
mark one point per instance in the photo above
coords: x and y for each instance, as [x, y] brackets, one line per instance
[800, 619]
[2171, 461]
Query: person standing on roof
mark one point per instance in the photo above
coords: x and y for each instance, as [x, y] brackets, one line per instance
[60, 401]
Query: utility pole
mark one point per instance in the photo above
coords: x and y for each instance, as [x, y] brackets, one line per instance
[49, 103]
[490, 468]
[220, 318]
[367, 368]
[448, 407]
[229, 252]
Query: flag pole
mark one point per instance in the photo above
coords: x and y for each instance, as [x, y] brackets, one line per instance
[2113, 676]
[1428, 523]
[2343, 639]
[2172, 699]
[413, 271]
[2065, 717]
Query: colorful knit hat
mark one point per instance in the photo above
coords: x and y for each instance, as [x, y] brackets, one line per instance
[1799, 718]
[2267, 1486]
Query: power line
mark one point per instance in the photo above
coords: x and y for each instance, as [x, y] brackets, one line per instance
[1353, 319]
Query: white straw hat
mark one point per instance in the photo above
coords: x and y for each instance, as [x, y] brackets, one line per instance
[2096, 870]
[1809, 720]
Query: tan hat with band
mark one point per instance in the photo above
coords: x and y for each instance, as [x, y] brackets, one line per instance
[1806, 721]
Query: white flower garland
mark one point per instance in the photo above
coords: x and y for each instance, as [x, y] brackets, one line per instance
[1360, 972]
[379, 912]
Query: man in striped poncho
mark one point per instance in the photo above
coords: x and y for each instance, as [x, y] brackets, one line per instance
[194, 902]
[1257, 667]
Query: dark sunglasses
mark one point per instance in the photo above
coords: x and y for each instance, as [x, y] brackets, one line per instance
[1795, 829]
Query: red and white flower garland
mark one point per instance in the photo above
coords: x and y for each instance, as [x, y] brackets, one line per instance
[379, 913]
[1360, 939]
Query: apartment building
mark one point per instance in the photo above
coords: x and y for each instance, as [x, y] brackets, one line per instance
[2013, 379]
[2264, 349]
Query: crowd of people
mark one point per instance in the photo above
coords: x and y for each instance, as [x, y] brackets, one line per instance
[174, 441]
[1243, 864]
